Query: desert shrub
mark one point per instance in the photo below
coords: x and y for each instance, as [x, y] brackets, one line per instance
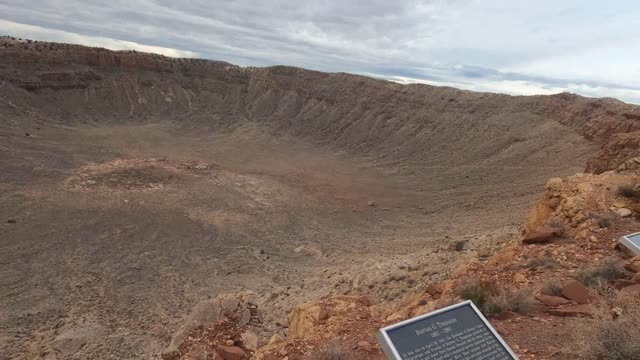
[595, 276]
[613, 332]
[518, 301]
[333, 352]
[628, 191]
[458, 245]
[552, 288]
[493, 301]
[603, 221]
[480, 293]
[541, 263]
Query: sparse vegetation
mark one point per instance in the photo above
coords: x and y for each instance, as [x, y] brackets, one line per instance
[629, 191]
[541, 263]
[552, 288]
[613, 333]
[492, 300]
[595, 276]
[333, 352]
[458, 245]
[480, 293]
[518, 301]
[603, 221]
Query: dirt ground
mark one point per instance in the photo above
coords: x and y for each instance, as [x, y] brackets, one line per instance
[133, 186]
[114, 233]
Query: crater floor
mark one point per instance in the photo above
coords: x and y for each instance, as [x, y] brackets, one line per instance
[111, 234]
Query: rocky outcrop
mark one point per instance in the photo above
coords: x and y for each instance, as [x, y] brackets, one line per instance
[342, 325]
[619, 148]
[542, 236]
[222, 324]
[577, 292]
[582, 201]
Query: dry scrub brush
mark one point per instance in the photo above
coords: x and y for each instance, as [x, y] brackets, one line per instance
[492, 300]
[596, 276]
[333, 352]
[614, 331]
[630, 190]
[552, 288]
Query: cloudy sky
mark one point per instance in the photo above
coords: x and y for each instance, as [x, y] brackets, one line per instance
[513, 46]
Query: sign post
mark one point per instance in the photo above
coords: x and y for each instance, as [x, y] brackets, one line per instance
[457, 332]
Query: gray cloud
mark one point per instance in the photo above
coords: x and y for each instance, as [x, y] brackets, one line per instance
[489, 45]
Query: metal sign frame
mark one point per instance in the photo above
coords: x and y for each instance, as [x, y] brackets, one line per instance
[392, 353]
[626, 241]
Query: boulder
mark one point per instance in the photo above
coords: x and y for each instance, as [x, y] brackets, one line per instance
[434, 289]
[572, 310]
[542, 236]
[231, 353]
[636, 278]
[633, 264]
[245, 317]
[631, 290]
[539, 214]
[622, 212]
[552, 301]
[520, 278]
[235, 305]
[249, 340]
[304, 318]
[275, 340]
[621, 284]
[577, 292]
[618, 204]
[504, 256]
[584, 188]
[326, 316]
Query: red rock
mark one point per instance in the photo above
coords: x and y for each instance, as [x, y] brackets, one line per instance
[621, 284]
[633, 264]
[577, 292]
[542, 236]
[552, 300]
[572, 310]
[636, 278]
[434, 289]
[231, 353]
[633, 289]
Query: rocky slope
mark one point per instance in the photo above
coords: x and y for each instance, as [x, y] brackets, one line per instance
[564, 289]
[411, 124]
[135, 186]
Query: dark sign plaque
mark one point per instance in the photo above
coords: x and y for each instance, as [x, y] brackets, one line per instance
[631, 242]
[458, 332]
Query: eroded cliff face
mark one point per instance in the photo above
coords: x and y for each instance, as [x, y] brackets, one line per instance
[72, 84]
[616, 150]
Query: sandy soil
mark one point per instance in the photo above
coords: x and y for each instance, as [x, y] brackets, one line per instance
[120, 230]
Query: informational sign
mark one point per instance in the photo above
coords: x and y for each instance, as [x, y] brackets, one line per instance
[631, 242]
[458, 332]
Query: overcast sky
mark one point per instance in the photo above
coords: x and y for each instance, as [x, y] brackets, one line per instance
[513, 46]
